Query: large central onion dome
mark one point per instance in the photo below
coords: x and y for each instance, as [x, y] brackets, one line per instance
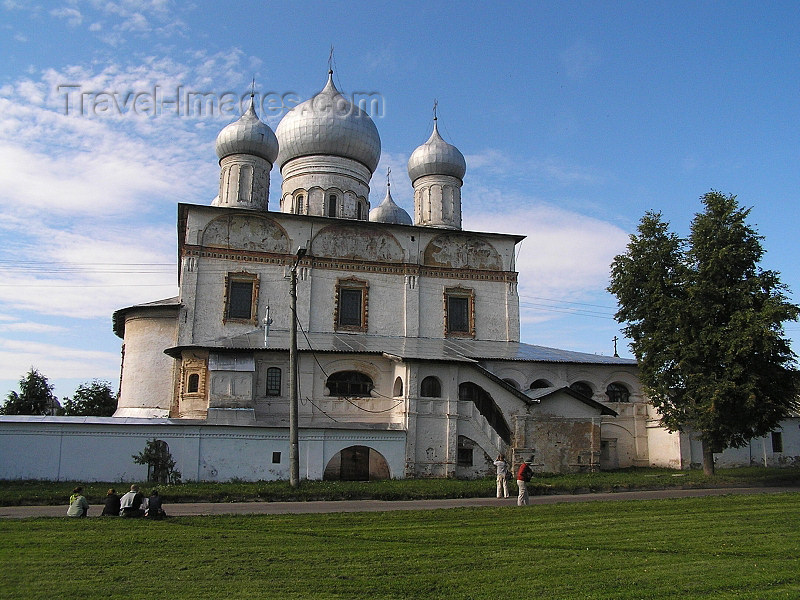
[329, 124]
[436, 157]
[248, 135]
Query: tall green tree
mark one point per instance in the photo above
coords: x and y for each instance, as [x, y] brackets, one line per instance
[35, 397]
[93, 398]
[706, 326]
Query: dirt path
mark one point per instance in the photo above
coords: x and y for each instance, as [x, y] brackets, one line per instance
[282, 508]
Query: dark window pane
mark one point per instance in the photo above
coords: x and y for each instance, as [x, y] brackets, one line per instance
[617, 392]
[273, 381]
[457, 314]
[350, 307]
[430, 388]
[194, 383]
[332, 201]
[240, 300]
[349, 383]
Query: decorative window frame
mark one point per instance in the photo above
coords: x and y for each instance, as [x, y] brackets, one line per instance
[351, 283]
[238, 277]
[460, 292]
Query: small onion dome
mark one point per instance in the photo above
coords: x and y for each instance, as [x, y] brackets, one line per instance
[436, 157]
[329, 124]
[388, 212]
[248, 135]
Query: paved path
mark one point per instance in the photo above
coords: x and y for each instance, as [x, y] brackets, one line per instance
[283, 508]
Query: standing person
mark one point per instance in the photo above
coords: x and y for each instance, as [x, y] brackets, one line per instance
[523, 477]
[111, 508]
[131, 503]
[78, 505]
[155, 508]
[502, 476]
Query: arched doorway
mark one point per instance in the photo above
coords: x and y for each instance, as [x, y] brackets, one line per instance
[357, 463]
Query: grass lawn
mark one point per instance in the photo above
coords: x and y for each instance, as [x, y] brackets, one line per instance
[16, 493]
[715, 547]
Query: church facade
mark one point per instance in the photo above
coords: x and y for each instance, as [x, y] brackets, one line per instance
[408, 327]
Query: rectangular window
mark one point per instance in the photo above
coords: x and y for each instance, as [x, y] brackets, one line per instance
[276, 458]
[459, 312]
[273, 381]
[351, 305]
[465, 457]
[241, 292]
[777, 441]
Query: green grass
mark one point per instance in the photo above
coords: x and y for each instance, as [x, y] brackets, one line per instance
[16, 493]
[714, 547]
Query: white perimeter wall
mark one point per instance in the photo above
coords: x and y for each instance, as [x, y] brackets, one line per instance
[101, 449]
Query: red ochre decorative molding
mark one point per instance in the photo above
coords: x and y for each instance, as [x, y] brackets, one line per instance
[351, 265]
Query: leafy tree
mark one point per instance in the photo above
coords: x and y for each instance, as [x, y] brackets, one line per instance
[706, 324]
[159, 461]
[34, 398]
[93, 398]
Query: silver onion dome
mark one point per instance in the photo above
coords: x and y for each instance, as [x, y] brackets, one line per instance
[436, 157]
[388, 212]
[329, 124]
[248, 135]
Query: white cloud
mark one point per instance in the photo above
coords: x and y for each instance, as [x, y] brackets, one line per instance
[563, 261]
[55, 361]
[71, 15]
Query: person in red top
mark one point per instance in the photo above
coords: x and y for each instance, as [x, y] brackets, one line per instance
[523, 477]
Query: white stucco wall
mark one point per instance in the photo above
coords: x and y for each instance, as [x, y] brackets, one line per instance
[100, 449]
[147, 385]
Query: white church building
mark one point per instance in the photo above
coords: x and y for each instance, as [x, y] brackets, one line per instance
[409, 355]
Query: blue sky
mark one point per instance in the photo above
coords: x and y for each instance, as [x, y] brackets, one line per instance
[574, 119]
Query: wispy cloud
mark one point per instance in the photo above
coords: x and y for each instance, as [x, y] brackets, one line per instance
[55, 361]
[70, 14]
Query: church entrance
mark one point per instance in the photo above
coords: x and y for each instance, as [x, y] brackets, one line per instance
[357, 463]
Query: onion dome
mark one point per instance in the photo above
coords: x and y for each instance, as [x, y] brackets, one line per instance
[436, 157]
[388, 212]
[329, 124]
[248, 135]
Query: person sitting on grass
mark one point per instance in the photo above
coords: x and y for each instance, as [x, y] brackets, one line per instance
[154, 506]
[131, 504]
[111, 508]
[78, 505]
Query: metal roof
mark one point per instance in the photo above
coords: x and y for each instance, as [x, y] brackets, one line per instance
[451, 350]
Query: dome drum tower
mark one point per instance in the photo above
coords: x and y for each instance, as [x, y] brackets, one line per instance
[437, 171]
[329, 150]
[247, 149]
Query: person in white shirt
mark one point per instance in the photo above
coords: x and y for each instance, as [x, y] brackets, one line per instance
[502, 476]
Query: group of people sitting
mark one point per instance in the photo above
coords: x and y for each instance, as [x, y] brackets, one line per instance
[134, 504]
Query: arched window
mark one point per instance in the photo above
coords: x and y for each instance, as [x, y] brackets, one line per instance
[193, 384]
[540, 384]
[398, 387]
[273, 381]
[617, 392]
[350, 383]
[430, 387]
[582, 388]
[299, 204]
[332, 202]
